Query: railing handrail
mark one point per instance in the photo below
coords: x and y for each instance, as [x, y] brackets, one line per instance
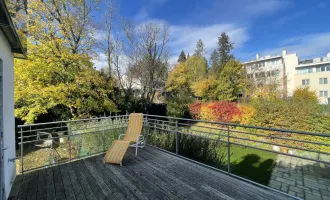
[77, 120]
[246, 126]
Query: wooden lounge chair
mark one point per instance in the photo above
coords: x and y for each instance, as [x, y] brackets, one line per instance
[133, 135]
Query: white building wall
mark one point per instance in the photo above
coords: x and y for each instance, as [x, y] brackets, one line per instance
[8, 112]
[290, 62]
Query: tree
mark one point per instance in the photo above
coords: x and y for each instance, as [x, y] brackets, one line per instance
[109, 16]
[149, 55]
[231, 81]
[197, 68]
[182, 57]
[224, 51]
[44, 84]
[185, 76]
[200, 49]
[178, 78]
[59, 71]
[215, 60]
[305, 95]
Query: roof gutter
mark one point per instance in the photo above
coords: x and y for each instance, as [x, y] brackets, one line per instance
[8, 28]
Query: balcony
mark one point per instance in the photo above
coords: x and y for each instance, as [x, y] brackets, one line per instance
[153, 174]
[182, 159]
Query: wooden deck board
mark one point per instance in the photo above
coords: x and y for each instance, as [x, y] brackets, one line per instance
[153, 174]
[42, 185]
[50, 187]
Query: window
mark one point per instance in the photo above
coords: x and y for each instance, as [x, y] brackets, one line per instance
[324, 93]
[305, 82]
[323, 69]
[305, 71]
[323, 80]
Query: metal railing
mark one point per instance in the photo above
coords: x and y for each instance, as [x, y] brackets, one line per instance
[300, 145]
[46, 144]
[211, 144]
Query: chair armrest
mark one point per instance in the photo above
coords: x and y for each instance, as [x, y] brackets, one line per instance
[120, 136]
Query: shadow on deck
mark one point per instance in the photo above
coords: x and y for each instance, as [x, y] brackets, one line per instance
[153, 174]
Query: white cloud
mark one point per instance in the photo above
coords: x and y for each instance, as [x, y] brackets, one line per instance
[141, 15]
[100, 61]
[100, 35]
[286, 19]
[185, 37]
[306, 46]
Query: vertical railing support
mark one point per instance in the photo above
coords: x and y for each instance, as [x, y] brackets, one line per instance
[22, 165]
[147, 131]
[103, 139]
[69, 140]
[176, 138]
[228, 147]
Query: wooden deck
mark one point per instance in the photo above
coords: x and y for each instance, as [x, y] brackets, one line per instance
[153, 174]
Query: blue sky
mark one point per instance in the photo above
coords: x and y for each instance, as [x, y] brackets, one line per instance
[255, 26]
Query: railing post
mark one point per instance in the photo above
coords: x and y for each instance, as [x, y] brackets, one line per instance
[176, 138]
[69, 139]
[228, 147]
[147, 130]
[22, 165]
[103, 139]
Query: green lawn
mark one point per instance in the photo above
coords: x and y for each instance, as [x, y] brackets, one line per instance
[251, 163]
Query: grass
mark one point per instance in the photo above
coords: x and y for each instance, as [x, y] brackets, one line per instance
[254, 164]
[249, 163]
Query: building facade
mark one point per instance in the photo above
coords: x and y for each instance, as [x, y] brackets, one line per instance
[10, 45]
[315, 73]
[273, 70]
[288, 73]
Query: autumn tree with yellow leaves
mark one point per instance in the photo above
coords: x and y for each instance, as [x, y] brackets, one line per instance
[58, 70]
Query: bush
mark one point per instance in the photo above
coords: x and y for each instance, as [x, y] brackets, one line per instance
[245, 116]
[178, 105]
[195, 109]
[224, 111]
[216, 111]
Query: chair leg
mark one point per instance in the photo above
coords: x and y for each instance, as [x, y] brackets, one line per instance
[136, 148]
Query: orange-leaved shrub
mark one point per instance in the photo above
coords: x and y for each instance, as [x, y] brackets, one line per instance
[218, 111]
[195, 109]
[245, 116]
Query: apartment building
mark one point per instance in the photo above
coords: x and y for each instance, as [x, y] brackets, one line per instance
[315, 73]
[276, 70]
[289, 73]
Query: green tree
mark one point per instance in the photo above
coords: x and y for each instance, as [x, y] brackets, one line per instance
[214, 60]
[200, 49]
[224, 51]
[230, 83]
[197, 69]
[182, 57]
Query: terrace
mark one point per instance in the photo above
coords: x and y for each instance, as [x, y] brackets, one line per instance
[182, 159]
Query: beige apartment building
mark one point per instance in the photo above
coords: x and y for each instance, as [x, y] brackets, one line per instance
[288, 73]
[315, 73]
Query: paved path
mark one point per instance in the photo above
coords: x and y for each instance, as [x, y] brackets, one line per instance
[302, 178]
